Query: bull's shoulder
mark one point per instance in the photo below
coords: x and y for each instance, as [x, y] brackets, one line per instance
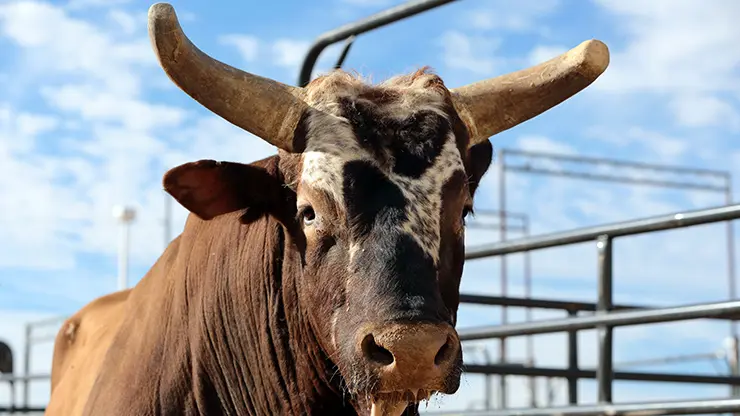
[80, 346]
[84, 328]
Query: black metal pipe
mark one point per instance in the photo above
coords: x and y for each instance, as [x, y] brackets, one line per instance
[27, 366]
[347, 46]
[537, 303]
[553, 304]
[367, 24]
[23, 409]
[613, 319]
[572, 361]
[657, 223]
[568, 373]
[691, 407]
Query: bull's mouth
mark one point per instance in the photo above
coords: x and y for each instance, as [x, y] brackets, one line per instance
[394, 403]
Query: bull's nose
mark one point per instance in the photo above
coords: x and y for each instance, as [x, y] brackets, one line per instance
[410, 356]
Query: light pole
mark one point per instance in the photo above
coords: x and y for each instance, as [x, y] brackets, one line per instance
[125, 215]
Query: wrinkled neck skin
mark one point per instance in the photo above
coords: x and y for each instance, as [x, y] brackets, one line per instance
[224, 334]
[255, 350]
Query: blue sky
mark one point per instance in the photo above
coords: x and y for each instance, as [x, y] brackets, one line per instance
[88, 120]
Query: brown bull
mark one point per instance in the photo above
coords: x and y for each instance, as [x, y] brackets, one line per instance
[322, 280]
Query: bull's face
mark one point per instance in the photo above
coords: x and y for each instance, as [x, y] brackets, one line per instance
[379, 179]
[385, 182]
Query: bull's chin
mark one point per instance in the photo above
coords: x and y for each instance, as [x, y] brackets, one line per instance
[394, 403]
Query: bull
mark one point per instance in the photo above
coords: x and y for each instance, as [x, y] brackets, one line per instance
[323, 279]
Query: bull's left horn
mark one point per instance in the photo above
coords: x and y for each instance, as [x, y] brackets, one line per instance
[496, 104]
[264, 107]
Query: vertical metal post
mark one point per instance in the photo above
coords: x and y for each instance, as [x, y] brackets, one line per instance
[488, 381]
[488, 398]
[605, 369]
[573, 361]
[550, 391]
[124, 215]
[528, 315]
[27, 367]
[504, 291]
[732, 288]
[11, 385]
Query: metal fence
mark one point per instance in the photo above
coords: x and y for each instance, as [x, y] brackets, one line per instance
[607, 316]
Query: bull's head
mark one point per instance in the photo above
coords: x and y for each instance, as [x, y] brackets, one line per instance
[382, 178]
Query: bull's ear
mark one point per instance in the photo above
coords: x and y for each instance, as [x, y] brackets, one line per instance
[481, 156]
[208, 188]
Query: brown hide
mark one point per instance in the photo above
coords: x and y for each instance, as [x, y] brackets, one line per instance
[79, 349]
[213, 328]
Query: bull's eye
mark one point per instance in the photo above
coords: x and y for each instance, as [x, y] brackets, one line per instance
[308, 215]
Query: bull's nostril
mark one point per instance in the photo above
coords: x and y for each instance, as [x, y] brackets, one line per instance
[374, 352]
[444, 353]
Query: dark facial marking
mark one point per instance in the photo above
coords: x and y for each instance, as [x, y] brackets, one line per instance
[420, 140]
[400, 278]
[414, 143]
[370, 198]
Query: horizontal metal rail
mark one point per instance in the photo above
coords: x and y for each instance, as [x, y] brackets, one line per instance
[620, 229]
[690, 407]
[4, 378]
[537, 303]
[519, 370]
[22, 409]
[613, 319]
[367, 24]
[617, 162]
[617, 178]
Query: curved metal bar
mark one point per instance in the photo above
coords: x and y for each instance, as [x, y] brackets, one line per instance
[367, 24]
[347, 46]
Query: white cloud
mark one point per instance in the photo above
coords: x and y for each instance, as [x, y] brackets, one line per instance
[91, 104]
[699, 110]
[19, 129]
[127, 22]
[675, 46]
[80, 4]
[544, 144]
[542, 53]
[283, 53]
[656, 146]
[52, 41]
[289, 53]
[113, 146]
[520, 16]
[248, 46]
[470, 53]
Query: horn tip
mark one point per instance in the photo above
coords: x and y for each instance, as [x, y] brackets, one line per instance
[160, 10]
[164, 31]
[161, 18]
[592, 57]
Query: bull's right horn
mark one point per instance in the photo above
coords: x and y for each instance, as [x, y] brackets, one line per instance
[496, 104]
[264, 107]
